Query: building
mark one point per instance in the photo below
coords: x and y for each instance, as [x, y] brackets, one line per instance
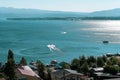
[26, 73]
[67, 74]
[113, 79]
[2, 79]
[99, 69]
[98, 74]
[96, 71]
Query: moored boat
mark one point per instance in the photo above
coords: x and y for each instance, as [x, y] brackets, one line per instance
[105, 41]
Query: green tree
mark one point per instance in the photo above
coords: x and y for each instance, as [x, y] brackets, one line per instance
[10, 54]
[91, 61]
[74, 64]
[9, 69]
[85, 68]
[104, 58]
[79, 69]
[113, 60]
[100, 62]
[23, 61]
[108, 62]
[48, 76]
[111, 69]
[41, 69]
[65, 65]
[10, 66]
[82, 59]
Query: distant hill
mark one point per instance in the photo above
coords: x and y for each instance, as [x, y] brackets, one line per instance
[106, 13]
[15, 12]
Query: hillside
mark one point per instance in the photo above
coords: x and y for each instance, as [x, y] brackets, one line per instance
[15, 12]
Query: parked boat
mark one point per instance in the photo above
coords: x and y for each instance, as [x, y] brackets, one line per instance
[105, 41]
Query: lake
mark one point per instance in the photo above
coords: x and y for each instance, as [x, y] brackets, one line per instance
[59, 40]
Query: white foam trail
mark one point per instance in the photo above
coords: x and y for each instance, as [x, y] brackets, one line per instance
[52, 47]
[63, 32]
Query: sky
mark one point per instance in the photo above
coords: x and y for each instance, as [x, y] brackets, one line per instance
[63, 5]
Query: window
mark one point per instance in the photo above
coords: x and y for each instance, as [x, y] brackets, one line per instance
[72, 78]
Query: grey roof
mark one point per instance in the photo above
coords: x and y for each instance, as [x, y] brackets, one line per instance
[63, 72]
[73, 72]
[66, 70]
[113, 79]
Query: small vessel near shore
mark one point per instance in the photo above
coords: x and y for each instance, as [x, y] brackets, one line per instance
[51, 47]
[105, 42]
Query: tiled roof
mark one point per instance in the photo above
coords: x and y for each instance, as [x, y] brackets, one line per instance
[62, 72]
[113, 79]
[26, 70]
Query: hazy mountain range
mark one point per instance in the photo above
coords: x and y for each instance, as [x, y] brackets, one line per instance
[15, 12]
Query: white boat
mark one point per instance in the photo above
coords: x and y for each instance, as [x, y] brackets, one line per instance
[63, 32]
[51, 47]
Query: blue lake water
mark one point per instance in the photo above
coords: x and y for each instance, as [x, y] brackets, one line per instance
[70, 38]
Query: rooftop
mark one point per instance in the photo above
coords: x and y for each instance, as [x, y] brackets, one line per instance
[62, 72]
[113, 79]
[26, 70]
[98, 69]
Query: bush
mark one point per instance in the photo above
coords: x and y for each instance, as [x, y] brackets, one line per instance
[111, 69]
[65, 65]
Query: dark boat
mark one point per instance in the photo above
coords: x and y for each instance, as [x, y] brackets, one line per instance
[105, 42]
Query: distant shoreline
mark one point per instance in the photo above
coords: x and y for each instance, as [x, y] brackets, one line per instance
[67, 18]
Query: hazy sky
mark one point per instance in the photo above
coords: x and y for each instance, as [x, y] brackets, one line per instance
[63, 5]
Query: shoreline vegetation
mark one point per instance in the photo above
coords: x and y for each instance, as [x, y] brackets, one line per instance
[109, 63]
[65, 18]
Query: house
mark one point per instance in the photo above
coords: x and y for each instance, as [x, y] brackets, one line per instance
[2, 76]
[98, 74]
[99, 69]
[113, 79]
[67, 74]
[23, 72]
[2, 79]
[96, 71]
[107, 77]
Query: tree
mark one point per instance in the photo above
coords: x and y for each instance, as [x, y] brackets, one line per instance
[41, 69]
[111, 69]
[100, 62]
[104, 58]
[118, 61]
[10, 66]
[113, 60]
[48, 74]
[23, 61]
[9, 69]
[65, 65]
[85, 68]
[10, 54]
[74, 64]
[82, 59]
[91, 61]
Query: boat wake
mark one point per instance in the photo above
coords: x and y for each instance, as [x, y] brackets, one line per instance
[52, 47]
[63, 32]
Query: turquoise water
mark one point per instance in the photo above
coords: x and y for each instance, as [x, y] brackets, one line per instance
[71, 39]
